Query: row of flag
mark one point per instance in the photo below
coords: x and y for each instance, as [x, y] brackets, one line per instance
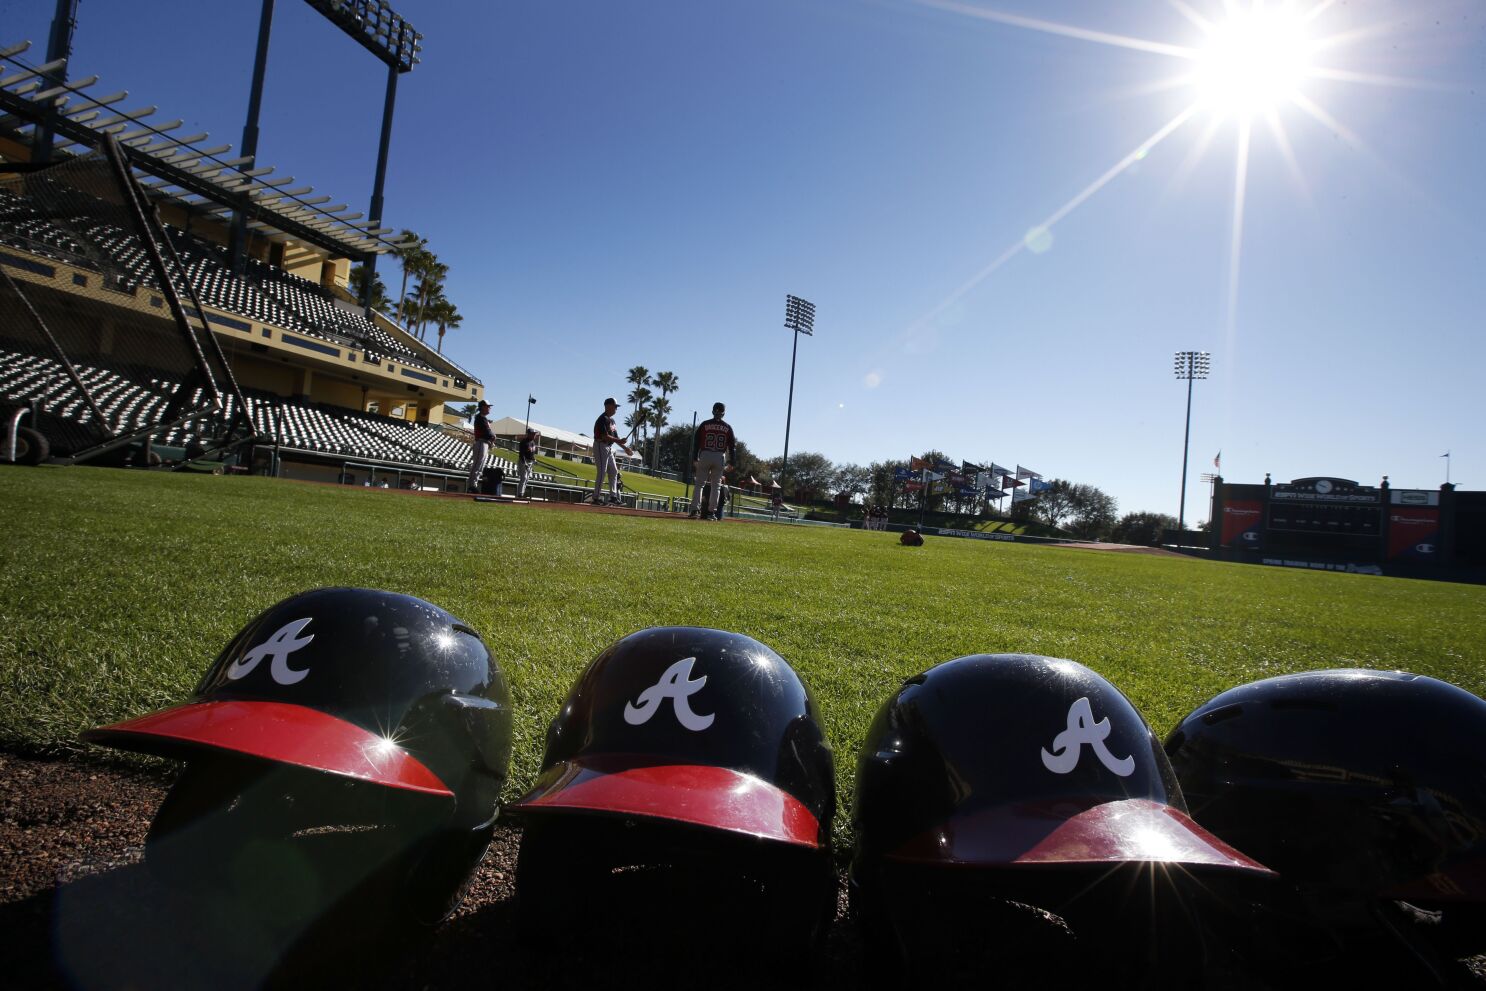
[967, 479]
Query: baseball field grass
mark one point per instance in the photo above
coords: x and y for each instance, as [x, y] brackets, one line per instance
[117, 589]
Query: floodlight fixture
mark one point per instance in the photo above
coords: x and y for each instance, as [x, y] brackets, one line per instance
[1188, 366]
[376, 27]
[799, 315]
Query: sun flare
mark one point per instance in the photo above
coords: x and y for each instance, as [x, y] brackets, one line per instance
[1253, 62]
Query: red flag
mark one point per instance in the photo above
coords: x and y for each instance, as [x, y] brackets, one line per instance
[917, 464]
[1007, 482]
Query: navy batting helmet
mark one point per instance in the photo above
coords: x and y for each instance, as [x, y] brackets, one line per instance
[344, 753]
[688, 769]
[1006, 790]
[1369, 784]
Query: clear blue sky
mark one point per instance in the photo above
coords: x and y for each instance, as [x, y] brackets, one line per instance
[616, 184]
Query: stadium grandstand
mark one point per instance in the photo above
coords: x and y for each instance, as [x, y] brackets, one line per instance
[313, 380]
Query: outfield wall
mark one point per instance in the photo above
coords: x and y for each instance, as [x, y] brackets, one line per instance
[1335, 524]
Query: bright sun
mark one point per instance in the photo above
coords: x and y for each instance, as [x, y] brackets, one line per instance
[1254, 61]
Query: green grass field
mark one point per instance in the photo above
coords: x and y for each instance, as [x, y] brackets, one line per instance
[118, 589]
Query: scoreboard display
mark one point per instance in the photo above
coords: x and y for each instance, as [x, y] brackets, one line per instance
[1326, 518]
[1335, 524]
[1324, 515]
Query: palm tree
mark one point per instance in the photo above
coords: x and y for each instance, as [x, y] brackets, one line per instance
[410, 257]
[409, 308]
[639, 375]
[635, 419]
[667, 383]
[379, 299]
[447, 316]
[660, 409]
[429, 288]
[641, 397]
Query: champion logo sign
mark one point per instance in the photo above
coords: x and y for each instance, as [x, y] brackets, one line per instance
[279, 646]
[678, 686]
[1068, 746]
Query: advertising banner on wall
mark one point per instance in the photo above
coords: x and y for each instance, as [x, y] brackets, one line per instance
[1243, 522]
[1415, 497]
[1413, 533]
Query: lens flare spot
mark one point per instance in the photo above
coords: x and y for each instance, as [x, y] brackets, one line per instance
[1038, 240]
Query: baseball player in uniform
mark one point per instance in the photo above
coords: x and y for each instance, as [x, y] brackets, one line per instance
[715, 451]
[605, 436]
[484, 436]
[527, 456]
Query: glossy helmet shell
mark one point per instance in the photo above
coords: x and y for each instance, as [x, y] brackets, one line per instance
[694, 759]
[360, 733]
[1017, 759]
[1014, 808]
[911, 538]
[1368, 784]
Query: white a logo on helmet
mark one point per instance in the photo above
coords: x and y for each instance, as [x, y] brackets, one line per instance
[1068, 746]
[279, 646]
[677, 685]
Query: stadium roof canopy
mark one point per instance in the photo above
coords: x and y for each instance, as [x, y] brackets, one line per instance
[179, 169]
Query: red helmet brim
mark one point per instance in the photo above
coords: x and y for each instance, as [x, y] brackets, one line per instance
[274, 731]
[1053, 833]
[701, 795]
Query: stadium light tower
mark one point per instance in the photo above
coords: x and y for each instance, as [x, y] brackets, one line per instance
[799, 316]
[1189, 365]
[375, 26]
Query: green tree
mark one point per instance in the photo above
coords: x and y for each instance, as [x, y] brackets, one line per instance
[667, 383]
[852, 479]
[674, 446]
[430, 287]
[446, 316]
[1094, 512]
[660, 411]
[884, 489]
[379, 300]
[635, 420]
[745, 464]
[1142, 528]
[412, 255]
[1055, 504]
[640, 396]
[809, 475]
